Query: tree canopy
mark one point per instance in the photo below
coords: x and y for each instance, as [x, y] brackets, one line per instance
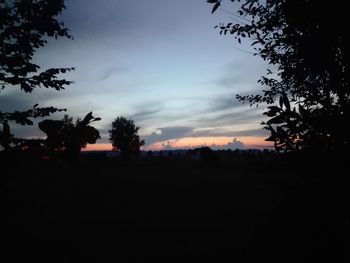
[310, 88]
[124, 137]
[25, 26]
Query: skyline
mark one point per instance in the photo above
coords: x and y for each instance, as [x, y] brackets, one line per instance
[159, 63]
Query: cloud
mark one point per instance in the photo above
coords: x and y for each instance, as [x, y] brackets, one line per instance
[167, 146]
[230, 81]
[108, 72]
[235, 144]
[167, 133]
[237, 116]
[27, 132]
[238, 75]
[12, 103]
[228, 101]
[15, 99]
[217, 132]
[144, 115]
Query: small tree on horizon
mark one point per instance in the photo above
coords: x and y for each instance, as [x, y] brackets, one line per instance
[124, 137]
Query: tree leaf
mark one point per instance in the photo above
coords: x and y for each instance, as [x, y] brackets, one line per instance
[304, 113]
[273, 110]
[281, 102]
[272, 138]
[28, 122]
[275, 120]
[216, 6]
[286, 101]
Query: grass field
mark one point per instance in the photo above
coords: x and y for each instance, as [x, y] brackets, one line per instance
[170, 211]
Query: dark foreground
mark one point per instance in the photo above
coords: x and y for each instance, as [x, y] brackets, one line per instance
[171, 211]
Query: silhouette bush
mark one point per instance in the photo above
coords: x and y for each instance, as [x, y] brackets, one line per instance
[68, 138]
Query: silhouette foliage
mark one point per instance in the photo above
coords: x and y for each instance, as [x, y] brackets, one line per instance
[124, 137]
[310, 89]
[25, 26]
[67, 137]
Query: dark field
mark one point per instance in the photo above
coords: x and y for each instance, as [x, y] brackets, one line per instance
[172, 211]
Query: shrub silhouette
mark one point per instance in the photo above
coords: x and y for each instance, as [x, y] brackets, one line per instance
[5, 136]
[67, 137]
[124, 137]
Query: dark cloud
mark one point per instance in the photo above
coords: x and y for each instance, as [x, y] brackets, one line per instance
[242, 116]
[254, 132]
[218, 133]
[155, 112]
[229, 81]
[222, 103]
[108, 72]
[167, 133]
[27, 132]
[10, 103]
[18, 100]
[144, 115]
[237, 75]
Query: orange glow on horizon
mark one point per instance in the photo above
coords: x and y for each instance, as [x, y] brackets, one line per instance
[98, 147]
[191, 142]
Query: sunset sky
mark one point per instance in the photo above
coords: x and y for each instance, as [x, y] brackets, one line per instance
[158, 62]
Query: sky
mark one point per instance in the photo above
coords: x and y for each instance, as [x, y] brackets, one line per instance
[159, 62]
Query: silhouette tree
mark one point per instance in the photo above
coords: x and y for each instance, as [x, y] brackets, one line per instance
[124, 137]
[68, 138]
[25, 26]
[311, 54]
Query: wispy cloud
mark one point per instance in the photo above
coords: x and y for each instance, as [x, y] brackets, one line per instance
[224, 102]
[239, 116]
[144, 115]
[108, 72]
[217, 132]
